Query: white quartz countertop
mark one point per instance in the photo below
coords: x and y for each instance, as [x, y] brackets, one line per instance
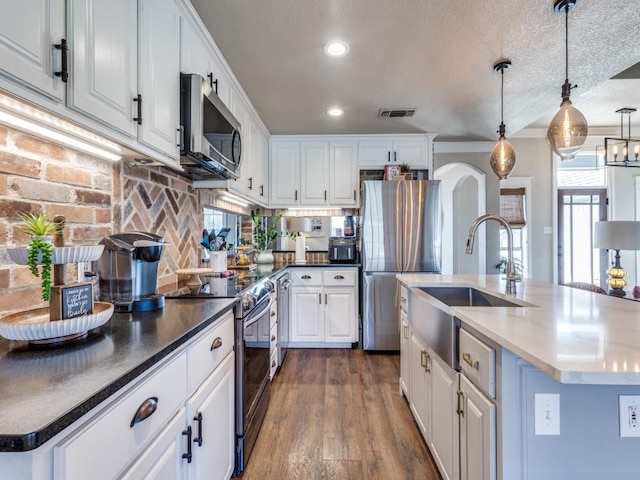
[572, 335]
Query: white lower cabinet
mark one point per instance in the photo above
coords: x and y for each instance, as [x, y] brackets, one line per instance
[419, 385]
[477, 434]
[210, 414]
[444, 441]
[324, 307]
[162, 460]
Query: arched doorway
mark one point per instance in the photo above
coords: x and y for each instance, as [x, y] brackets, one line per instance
[463, 189]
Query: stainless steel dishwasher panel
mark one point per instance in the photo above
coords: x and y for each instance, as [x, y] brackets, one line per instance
[435, 326]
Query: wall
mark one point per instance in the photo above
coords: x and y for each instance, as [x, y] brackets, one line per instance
[97, 198]
[533, 160]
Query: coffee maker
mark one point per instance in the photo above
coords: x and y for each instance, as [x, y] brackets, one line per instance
[128, 271]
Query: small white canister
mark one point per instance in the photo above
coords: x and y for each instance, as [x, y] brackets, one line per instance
[218, 260]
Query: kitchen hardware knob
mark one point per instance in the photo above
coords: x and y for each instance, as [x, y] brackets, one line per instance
[250, 183]
[181, 137]
[273, 363]
[262, 190]
[403, 300]
[306, 277]
[273, 314]
[217, 343]
[273, 338]
[338, 277]
[466, 356]
[138, 100]
[145, 410]
[423, 359]
[188, 455]
[64, 51]
[213, 82]
[198, 419]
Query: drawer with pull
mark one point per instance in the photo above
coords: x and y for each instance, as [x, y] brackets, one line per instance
[125, 427]
[301, 277]
[339, 278]
[209, 350]
[478, 362]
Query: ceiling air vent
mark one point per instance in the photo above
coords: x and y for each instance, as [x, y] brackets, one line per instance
[396, 112]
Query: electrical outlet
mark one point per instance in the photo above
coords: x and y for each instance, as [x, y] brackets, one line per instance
[547, 413]
[83, 267]
[629, 415]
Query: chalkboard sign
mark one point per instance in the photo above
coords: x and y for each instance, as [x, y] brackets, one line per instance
[71, 301]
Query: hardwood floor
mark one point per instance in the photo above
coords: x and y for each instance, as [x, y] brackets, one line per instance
[337, 414]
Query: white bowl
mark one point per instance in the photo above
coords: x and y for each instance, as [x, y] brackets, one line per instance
[61, 255]
[33, 325]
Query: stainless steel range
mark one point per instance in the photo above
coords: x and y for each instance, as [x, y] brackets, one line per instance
[251, 355]
[252, 367]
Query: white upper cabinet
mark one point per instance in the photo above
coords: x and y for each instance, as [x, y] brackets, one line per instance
[343, 174]
[159, 67]
[29, 29]
[415, 150]
[285, 176]
[104, 77]
[314, 173]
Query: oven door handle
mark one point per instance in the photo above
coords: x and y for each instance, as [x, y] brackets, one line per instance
[255, 317]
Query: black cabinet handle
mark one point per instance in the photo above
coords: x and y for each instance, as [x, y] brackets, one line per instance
[395, 157]
[354, 195]
[217, 343]
[145, 410]
[213, 82]
[306, 277]
[262, 190]
[198, 419]
[296, 196]
[64, 50]
[338, 277]
[188, 455]
[320, 298]
[138, 100]
[389, 156]
[250, 183]
[325, 298]
[325, 195]
[181, 138]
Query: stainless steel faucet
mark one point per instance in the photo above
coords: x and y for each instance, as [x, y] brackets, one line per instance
[512, 277]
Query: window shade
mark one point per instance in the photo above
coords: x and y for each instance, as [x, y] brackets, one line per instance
[512, 206]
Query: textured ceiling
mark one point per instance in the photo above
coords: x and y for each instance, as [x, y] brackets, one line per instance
[434, 55]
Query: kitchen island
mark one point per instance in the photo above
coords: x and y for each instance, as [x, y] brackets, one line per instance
[536, 389]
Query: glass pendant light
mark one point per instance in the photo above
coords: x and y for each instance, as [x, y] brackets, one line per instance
[503, 155]
[568, 129]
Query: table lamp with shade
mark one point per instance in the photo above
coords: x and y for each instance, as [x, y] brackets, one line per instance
[617, 235]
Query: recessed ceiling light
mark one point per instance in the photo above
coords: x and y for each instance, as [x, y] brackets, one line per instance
[335, 112]
[336, 48]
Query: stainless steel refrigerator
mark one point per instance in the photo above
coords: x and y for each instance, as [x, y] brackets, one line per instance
[400, 231]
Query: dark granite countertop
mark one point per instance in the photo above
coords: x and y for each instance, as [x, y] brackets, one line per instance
[44, 390]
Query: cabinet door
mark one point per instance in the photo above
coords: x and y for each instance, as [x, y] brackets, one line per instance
[263, 156]
[477, 434]
[340, 314]
[314, 173]
[254, 167]
[28, 31]
[159, 75]
[418, 379]
[413, 152]
[405, 342]
[104, 79]
[210, 413]
[194, 55]
[374, 153]
[285, 173]
[343, 173]
[306, 314]
[445, 425]
[162, 460]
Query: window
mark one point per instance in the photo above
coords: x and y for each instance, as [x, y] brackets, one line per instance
[512, 208]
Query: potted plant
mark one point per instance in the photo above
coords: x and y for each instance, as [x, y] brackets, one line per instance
[517, 265]
[404, 170]
[40, 249]
[263, 236]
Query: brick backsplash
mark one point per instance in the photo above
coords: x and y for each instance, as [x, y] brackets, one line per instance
[98, 198]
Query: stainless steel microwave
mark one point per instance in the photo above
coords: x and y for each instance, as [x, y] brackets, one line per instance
[210, 144]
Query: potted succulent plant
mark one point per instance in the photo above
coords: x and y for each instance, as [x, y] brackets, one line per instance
[40, 249]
